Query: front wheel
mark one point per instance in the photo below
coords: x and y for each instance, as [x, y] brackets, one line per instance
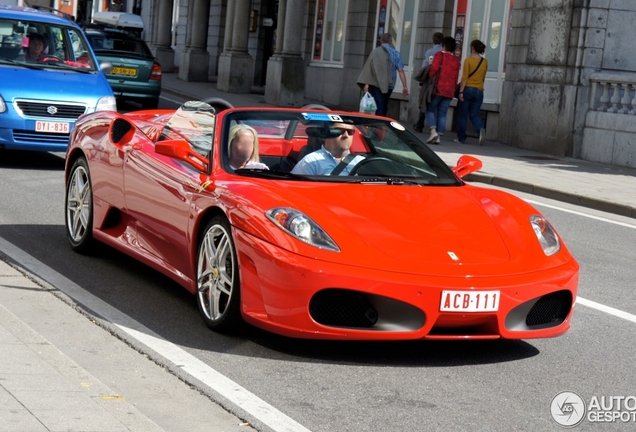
[218, 285]
[79, 208]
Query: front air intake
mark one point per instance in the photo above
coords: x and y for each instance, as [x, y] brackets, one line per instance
[342, 308]
[550, 309]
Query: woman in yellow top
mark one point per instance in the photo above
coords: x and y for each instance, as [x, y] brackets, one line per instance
[471, 92]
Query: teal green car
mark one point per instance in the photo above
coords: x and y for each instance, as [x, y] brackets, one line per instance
[136, 74]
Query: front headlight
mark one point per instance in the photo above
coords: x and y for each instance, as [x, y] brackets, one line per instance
[3, 107]
[300, 226]
[107, 103]
[546, 235]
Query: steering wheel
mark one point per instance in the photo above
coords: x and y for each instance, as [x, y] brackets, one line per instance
[369, 160]
[50, 59]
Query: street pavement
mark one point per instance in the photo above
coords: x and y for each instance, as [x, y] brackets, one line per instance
[62, 368]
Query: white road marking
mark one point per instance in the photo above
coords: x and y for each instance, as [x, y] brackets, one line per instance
[578, 213]
[216, 381]
[171, 100]
[607, 309]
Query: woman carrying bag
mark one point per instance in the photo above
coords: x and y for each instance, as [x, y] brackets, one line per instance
[471, 92]
[445, 70]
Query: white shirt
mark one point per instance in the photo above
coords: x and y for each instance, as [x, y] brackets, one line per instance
[321, 162]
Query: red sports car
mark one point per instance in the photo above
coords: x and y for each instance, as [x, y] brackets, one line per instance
[333, 225]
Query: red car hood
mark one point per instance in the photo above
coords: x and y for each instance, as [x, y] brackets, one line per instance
[434, 230]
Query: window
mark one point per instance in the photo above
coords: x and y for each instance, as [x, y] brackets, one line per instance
[329, 32]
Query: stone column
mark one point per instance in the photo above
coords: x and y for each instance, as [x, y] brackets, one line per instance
[195, 61]
[280, 29]
[162, 36]
[285, 85]
[229, 25]
[236, 66]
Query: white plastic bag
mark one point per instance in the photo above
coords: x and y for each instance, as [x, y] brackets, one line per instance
[367, 104]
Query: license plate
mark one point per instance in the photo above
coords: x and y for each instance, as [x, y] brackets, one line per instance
[124, 71]
[52, 127]
[469, 301]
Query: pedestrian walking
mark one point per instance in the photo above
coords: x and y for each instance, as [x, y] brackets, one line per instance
[471, 92]
[424, 96]
[380, 72]
[445, 71]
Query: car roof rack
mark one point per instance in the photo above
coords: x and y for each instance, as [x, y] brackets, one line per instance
[54, 11]
[119, 19]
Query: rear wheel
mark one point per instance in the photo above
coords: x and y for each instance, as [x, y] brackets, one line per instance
[218, 285]
[79, 208]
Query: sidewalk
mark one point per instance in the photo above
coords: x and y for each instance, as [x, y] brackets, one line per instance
[61, 372]
[598, 186]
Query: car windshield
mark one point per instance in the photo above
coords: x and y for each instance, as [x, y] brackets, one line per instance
[36, 44]
[119, 43]
[334, 147]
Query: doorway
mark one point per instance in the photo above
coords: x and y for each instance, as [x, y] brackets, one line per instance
[488, 21]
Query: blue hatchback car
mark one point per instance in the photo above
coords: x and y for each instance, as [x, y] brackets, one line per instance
[49, 77]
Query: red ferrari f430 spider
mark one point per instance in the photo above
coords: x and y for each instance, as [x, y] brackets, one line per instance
[316, 224]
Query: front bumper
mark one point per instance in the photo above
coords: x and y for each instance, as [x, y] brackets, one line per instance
[301, 297]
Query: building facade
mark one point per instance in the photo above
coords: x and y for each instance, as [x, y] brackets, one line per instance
[560, 80]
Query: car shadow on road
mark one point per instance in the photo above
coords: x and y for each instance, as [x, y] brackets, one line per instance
[32, 160]
[415, 353]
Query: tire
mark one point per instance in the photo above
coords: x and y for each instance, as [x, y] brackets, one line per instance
[218, 285]
[150, 103]
[78, 213]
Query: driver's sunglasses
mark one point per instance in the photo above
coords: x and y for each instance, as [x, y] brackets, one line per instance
[348, 131]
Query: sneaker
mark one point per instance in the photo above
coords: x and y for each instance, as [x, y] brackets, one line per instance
[482, 137]
[432, 139]
[458, 141]
[437, 139]
[417, 129]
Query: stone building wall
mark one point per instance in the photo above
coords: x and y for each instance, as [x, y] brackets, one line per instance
[569, 87]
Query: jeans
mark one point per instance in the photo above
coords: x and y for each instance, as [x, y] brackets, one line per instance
[381, 100]
[473, 98]
[439, 105]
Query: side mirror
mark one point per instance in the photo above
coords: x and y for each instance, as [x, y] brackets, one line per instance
[181, 150]
[466, 165]
[106, 67]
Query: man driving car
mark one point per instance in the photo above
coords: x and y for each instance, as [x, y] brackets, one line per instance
[334, 157]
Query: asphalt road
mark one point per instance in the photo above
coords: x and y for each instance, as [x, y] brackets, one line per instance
[362, 386]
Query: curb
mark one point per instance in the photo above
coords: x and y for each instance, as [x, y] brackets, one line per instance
[571, 198]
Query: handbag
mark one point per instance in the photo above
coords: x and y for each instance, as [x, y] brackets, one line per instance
[471, 74]
[367, 104]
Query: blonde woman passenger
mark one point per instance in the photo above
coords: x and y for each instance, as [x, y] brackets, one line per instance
[243, 148]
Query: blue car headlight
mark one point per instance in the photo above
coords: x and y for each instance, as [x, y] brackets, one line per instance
[3, 107]
[301, 227]
[546, 235]
[107, 103]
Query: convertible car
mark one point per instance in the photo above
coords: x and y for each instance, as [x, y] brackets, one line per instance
[396, 246]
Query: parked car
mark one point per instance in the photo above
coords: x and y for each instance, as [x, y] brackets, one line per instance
[399, 247]
[136, 74]
[49, 77]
